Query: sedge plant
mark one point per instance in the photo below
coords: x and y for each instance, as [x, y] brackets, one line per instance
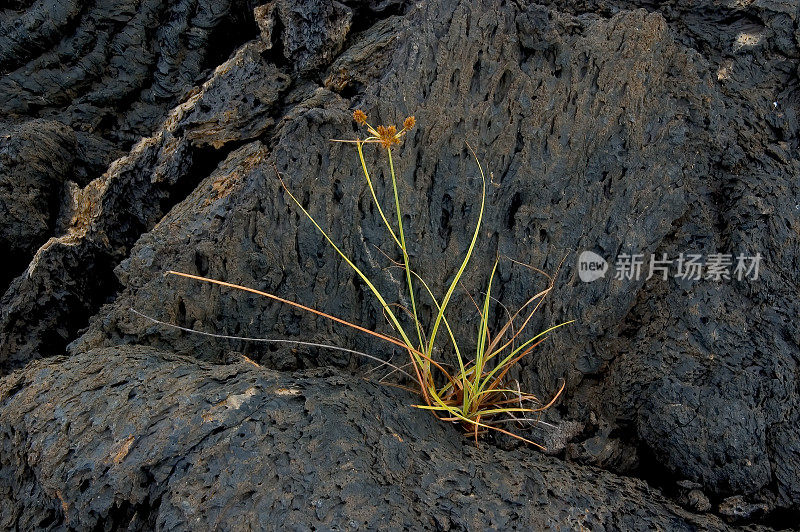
[475, 393]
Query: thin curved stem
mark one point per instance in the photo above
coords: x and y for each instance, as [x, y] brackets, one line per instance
[405, 250]
[272, 341]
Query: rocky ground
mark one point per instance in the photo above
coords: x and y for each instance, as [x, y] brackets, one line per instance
[142, 136]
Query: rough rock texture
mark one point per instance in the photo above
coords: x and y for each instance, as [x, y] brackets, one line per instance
[604, 126]
[93, 78]
[313, 32]
[72, 274]
[34, 159]
[135, 438]
[40, 162]
[111, 66]
[531, 168]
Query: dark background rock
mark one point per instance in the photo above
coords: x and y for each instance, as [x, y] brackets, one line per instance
[40, 162]
[136, 439]
[107, 70]
[605, 127]
[35, 158]
[72, 275]
[113, 67]
[312, 33]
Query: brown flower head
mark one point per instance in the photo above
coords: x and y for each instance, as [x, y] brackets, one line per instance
[360, 117]
[409, 122]
[388, 136]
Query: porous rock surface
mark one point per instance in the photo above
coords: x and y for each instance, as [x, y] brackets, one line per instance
[136, 438]
[616, 127]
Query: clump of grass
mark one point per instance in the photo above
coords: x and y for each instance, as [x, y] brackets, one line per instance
[476, 394]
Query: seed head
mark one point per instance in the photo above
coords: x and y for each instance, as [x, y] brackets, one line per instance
[388, 136]
[360, 117]
[409, 122]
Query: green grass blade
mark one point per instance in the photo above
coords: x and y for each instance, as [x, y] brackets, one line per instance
[513, 353]
[405, 251]
[446, 323]
[461, 417]
[493, 411]
[395, 322]
[360, 147]
[483, 330]
[460, 272]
